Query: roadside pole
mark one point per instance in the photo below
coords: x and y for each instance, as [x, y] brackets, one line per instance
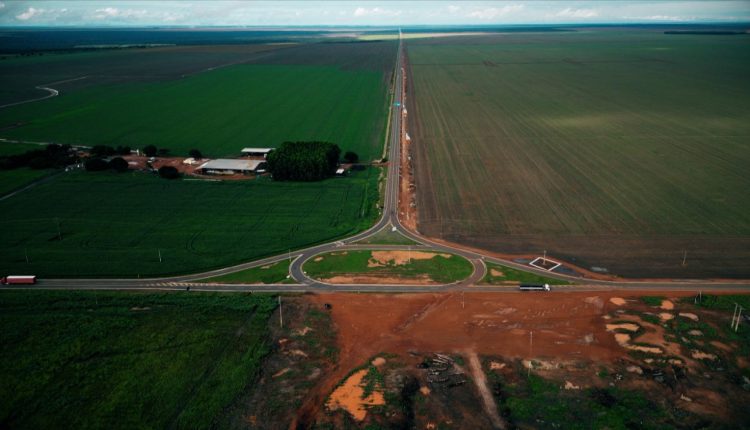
[281, 318]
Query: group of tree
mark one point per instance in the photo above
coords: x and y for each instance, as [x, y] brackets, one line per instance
[118, 164]
[303, 161]
[152, 151]
[107, 151]
[51, 156]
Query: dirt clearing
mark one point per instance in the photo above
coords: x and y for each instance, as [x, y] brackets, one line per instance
[403, 257]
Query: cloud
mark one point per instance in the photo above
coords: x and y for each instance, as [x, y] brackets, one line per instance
[667, 18]
[494, 12]
[577, 13]
[30, 13]
[453, 8]
[376, 11]
[2, 5]
[113, 12]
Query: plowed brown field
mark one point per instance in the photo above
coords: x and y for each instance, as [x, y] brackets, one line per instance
[619, 149]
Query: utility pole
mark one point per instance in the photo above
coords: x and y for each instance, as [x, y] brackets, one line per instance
[59, 232]
[736, 319]
[26, 254]
[684, 257]
[531, 342]
[159, 250]
[737, 324]
[281, 318]
[463, 303]
[545, 257]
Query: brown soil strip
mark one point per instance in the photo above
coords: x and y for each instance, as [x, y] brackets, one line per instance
[480, 380]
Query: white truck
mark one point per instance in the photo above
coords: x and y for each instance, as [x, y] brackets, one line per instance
[534, 287]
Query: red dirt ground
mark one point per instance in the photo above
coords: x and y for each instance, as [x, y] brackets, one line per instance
[565, 326]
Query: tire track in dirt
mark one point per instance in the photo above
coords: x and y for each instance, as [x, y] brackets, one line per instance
[480, 380]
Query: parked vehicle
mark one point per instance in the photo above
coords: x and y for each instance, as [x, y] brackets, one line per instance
[534, 287]
[18, 280]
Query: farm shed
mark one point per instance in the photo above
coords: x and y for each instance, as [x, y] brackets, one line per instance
[229, 166]
[256, 152]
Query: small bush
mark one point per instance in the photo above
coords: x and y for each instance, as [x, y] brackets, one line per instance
[351, 157]
[149, 150]
[169, 172]
[118, 164]
[195, 154]
[95, 165]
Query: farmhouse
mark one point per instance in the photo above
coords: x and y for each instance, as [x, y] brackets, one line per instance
[256, 152]
[230, 167]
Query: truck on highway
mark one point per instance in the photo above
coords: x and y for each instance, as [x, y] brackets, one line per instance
[18, 280]
[534, 287]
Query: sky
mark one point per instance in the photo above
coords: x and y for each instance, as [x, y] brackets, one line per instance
[362, 13]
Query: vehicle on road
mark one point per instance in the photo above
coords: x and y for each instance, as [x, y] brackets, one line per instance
[534, 287]
[18, 280]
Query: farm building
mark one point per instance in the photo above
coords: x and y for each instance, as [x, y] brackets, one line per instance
[256, 152]
[230, 167]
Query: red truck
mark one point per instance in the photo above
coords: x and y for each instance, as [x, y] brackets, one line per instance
[18, 280]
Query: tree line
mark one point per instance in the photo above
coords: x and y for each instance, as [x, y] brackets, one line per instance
[303, 161]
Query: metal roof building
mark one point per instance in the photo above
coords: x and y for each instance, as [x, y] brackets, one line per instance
[225, 166]
[256, 151]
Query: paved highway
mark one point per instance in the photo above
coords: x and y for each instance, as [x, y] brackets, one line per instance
[388, 220]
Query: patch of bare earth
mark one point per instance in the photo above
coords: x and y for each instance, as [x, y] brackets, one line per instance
[563, 337]
[350, 396]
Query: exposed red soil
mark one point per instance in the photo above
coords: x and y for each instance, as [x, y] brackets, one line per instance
[407, 206]
[565, 326]
[141, 163]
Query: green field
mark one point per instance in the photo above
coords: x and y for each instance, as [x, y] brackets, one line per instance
[116, 225]
[275, 273]
[499, 275]
[218, 112]
[623, 149]
[14, 179]
[438, 268]
[122, 360]
[11, 180]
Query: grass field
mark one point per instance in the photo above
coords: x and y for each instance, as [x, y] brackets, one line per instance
[438, 267]
[11, 180]
[218, 112]
[276, 273]
[610, 148]
[116, 225]
[218, 102]
[123, 360]
[498, 275]
[72, 71]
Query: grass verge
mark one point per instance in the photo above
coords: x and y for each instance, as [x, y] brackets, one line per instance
[275, 273]
[498, 275]
[427, 266]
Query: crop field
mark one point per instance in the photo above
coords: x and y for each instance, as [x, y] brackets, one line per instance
[316, 92]
[72, 71]
[124, 360]
[621, 149]
[11, 180]
[86, 224]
